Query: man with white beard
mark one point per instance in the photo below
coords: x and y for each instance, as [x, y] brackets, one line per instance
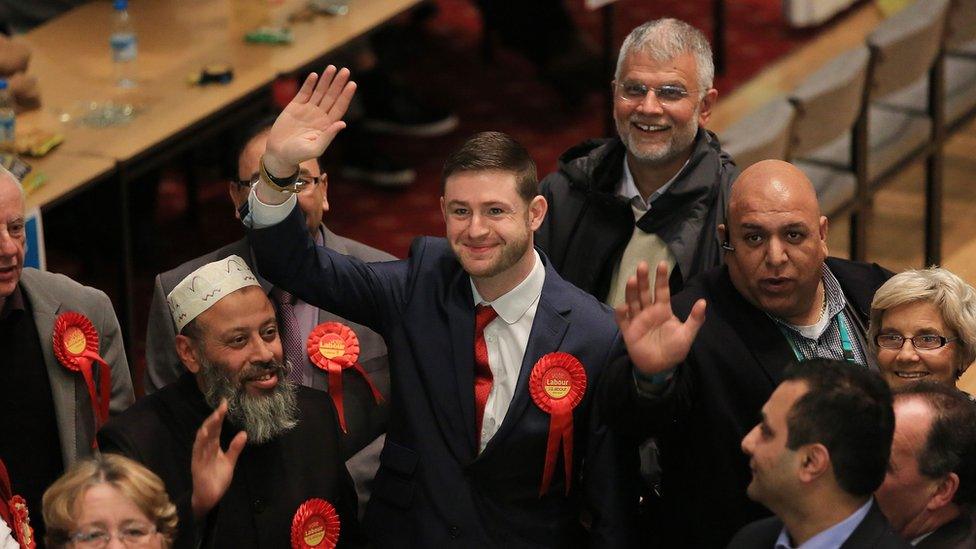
[248, 457]
[656, 192]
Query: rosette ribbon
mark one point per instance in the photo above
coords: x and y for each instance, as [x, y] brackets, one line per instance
[334, 347]
[557, 384]
[13, 510]
[76, 347]
[315, 525]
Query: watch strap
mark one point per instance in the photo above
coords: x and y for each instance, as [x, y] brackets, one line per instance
[281, 184]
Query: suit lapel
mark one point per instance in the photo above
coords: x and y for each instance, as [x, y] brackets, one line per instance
[66, 390]
[333, 242]
[460, 314]
[548, 330]
[755, 328]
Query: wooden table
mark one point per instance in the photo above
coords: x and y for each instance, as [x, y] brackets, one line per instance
[66, 174]
[72, 62]
[177, 38]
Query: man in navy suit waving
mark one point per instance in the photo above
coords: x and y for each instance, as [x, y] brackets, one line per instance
[494, 437]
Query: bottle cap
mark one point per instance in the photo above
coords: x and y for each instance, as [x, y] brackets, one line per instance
[120, 5]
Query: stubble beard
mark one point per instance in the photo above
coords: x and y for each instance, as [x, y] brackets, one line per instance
[262, 417]
[508, 256]
[678, 145]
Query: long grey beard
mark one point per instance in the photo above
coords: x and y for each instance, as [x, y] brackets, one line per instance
[262, 417]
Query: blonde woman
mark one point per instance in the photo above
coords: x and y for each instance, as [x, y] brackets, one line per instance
[923, 327]
[109, 497]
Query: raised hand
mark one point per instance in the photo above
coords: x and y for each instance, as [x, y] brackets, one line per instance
[212, 468]
[656, 340]
[310, 121]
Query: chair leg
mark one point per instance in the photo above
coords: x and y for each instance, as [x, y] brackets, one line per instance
[934, 163]
[933, 208]
[859, 232]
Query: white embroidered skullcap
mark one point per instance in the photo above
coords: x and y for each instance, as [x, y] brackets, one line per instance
[207, 285]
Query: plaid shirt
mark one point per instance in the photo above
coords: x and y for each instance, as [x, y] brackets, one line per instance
[828, 344]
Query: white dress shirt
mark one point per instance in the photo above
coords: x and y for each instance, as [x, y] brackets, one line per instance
[7, 540]
[506, 338]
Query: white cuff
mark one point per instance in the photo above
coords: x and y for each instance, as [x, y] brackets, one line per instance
[261, 215]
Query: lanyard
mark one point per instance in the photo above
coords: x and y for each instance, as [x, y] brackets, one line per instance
[845, 340]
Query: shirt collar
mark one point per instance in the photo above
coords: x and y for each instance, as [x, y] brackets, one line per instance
[919, 539]
[628, 187]
[14, 302]
[832, 537]
[512, 305]
[835, 303]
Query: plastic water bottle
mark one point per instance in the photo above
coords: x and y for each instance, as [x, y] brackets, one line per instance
[7, 118]
[124, 48]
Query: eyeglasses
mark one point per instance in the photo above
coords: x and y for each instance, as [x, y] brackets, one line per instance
[133, 535]
[304, 180]
[636, 92]
[924, 342]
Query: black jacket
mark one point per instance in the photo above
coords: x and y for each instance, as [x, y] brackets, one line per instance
[873, 532]
[270, 481]
[959, 533]
[714, 399]
[588, 226]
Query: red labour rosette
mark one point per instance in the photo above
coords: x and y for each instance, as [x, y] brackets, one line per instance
[76, 347]
[21, 527]
[557, 384]
[333, 347]
[315, 525]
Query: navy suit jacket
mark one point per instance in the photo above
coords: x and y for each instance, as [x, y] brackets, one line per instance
[433, 488]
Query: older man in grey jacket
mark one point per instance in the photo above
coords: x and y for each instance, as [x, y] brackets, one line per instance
[51, 411]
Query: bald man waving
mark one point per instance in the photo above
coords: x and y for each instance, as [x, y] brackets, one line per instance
[699, 384]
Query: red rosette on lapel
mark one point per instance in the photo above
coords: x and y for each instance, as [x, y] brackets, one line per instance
[557, 384]
[315, 525]
[76, 347]
[21, 527]
[333, 347]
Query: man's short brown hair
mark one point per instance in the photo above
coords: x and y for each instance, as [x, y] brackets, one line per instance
[494, 151]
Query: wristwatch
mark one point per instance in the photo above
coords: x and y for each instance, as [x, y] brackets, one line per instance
[290, 185]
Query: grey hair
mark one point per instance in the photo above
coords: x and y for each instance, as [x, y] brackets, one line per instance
[951, 295]
[4, 172]
[667, 38]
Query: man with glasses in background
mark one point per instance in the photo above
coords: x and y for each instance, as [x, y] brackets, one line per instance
[658, 191]
[365, 419]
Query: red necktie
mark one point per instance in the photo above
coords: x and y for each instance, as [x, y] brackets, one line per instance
[482, 372]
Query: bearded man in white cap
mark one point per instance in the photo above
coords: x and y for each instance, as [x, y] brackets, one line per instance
[249, 458]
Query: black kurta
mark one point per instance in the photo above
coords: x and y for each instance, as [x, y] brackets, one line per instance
[270, 482]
